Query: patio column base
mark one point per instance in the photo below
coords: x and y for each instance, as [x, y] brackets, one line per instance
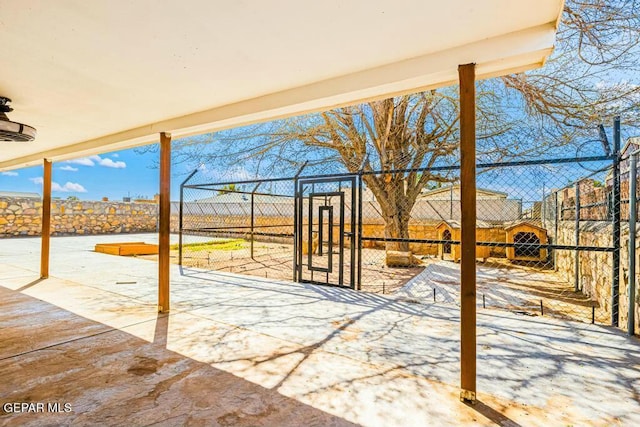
[467, 396]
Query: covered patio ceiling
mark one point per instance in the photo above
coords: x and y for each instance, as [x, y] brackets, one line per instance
[97, 76]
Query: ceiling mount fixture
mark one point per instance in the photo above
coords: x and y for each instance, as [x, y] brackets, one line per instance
[13, 131]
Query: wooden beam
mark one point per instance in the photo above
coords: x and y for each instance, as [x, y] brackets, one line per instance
[466, 75]
[46, 220]
[164, 222]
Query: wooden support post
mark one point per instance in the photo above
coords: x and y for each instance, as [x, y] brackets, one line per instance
[466, 75]
[46, 220]
[164, 222]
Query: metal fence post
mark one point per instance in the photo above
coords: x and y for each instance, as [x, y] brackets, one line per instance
[615, 279]
[451, 202]
[296, 226]
[558, 211]
[252, 224]
[633, 212]
[359, 248]
[543, 209]
[297, 221]
[576, 276]
[181, 213]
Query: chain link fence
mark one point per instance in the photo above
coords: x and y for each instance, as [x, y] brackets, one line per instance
[552, 235]
[241, 227]
[544, 240]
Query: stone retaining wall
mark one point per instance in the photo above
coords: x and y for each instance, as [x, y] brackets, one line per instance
[595, 272]
[23, 217]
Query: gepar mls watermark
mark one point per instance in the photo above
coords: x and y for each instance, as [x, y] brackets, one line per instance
[31, 407]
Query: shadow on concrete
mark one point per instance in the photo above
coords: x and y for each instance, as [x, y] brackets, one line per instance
[518, 355]
[310, 291]
[492, 415]
[30, 284]
[162, 330]
[116, 378]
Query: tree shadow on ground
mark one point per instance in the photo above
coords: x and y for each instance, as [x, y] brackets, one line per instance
[116, 378]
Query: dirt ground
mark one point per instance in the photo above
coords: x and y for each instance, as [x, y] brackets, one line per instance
[275, 261]
[526, 289]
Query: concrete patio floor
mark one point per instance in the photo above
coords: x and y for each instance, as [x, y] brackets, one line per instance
[240, 350]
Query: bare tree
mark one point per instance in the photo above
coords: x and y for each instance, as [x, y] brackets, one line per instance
[593, 73]
[406, 132]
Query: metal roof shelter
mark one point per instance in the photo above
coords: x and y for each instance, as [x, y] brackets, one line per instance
[453, 191]
[97, 76]
[20, 194]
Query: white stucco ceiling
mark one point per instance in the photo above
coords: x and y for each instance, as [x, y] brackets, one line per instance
[99, 75]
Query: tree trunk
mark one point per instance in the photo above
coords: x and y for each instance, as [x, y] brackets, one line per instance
[397, 227]
[395, 207]
[397, 212]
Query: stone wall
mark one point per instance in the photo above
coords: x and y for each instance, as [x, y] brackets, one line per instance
[595, 271]
[23, 217]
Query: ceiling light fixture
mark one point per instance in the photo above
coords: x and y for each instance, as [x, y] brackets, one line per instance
[13, 131]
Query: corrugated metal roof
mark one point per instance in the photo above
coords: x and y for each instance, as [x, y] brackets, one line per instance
[19, 194]
[244, 198]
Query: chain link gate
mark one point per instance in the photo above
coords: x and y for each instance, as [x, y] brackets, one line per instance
[326, 236]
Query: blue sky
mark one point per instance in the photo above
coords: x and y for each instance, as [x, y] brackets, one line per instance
[113, 175]
[134, 173]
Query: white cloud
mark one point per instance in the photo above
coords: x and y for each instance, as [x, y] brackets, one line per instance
[10, 173]
[84, 161]
[108, 163]
[68, 187]
[115, 155]
[69, 168]
[97, 160]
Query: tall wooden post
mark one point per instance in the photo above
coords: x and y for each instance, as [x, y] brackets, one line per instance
[164, 222]
[466, 75]
[46, 220]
